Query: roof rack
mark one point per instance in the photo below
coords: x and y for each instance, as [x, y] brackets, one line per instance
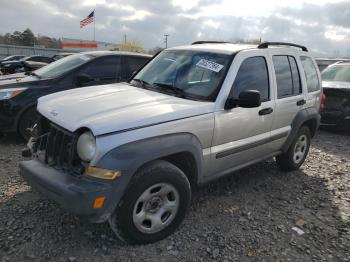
[210, 42]
[267, 44]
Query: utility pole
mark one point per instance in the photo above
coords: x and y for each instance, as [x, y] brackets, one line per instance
[166, 41]
[124, 38]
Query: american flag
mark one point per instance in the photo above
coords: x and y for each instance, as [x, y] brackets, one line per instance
[89, 19]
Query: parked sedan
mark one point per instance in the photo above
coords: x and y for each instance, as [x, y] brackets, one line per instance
[18, 97]
[10, 67]
[11, 58]
[336, 87]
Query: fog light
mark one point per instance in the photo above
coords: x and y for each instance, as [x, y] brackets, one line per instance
[99, 201]
[102, 173]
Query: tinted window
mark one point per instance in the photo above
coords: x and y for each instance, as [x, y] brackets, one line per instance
[252, 75]
[283, 76]
[297, 89]
[134, 63]
[103, 68]
[310, 71]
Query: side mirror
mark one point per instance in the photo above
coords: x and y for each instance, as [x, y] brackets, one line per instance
[246, 99]
[82, 79]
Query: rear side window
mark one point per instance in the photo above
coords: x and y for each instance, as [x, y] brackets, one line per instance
[287, 76]
[105, 68]
[312, 81]
[134, 63]
[252, 75]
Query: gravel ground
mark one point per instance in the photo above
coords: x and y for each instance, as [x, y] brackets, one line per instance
[248, 216]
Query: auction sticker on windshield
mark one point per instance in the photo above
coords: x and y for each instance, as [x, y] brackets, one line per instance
[209, 65]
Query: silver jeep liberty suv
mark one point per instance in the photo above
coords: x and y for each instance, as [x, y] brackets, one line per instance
[130, 153]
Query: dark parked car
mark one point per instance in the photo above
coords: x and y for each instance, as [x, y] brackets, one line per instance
[18, 97]
[11, 58]
[336, 87]
[16, 66]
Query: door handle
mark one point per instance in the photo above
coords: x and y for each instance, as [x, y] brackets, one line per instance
[265, 111]
[301, 102]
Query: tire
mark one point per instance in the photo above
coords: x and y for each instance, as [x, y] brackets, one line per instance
[297, 151]
[159, 190]
[27, 120]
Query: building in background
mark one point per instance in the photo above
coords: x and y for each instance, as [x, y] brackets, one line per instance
[84, 45]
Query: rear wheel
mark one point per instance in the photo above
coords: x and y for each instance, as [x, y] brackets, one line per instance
[297, 151]
[153, 206]
[26, 122]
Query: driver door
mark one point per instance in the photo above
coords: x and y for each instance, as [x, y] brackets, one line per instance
[242, 135]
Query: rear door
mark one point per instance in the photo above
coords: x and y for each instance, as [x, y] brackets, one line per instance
[289, 94]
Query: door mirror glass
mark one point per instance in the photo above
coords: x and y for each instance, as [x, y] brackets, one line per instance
[246, 99]
[83, 79]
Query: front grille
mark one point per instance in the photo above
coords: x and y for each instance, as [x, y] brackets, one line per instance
[56, 148]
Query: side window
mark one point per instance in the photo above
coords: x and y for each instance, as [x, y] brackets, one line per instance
[297, 89]
[35, 59]
[134, 64]
[310, 71]
[103, 68]
[283, 76]
[252, 75]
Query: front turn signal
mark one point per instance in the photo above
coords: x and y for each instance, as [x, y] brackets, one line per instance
[102, 173]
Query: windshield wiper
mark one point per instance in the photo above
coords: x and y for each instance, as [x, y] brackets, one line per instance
[35, 74]
[143, 83]
[175, 90]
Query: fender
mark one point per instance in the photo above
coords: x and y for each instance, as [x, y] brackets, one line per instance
[300, 118]
[129, 157]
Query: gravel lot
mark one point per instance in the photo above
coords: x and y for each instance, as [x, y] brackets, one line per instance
[248, 216]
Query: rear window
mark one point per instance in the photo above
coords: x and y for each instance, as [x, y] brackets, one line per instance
[310, 71]
[339, 73]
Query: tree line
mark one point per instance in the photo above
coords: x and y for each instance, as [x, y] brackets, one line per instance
[27, 38]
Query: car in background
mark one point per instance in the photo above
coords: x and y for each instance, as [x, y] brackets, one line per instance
[11, 58]
[18, 97]
[16, 66]
[61, 55]
[336, 88]
[322, 63]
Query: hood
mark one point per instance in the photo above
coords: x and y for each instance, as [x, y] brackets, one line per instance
[10, 63]
[116, 107]
[336, 85]
[12, 76]
[27, 81]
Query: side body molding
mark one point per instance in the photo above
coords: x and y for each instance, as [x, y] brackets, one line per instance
[301, 117]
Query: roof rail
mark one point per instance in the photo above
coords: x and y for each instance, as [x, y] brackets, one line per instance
[210, 42]
[267, 44]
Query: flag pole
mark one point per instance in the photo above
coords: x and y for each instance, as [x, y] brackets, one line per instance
[94, 26]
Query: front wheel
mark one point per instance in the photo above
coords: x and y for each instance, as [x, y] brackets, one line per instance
[154, 204]
[26, 122]
[297, 151]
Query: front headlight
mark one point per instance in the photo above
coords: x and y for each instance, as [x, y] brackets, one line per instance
[10, 92]
[86, 146]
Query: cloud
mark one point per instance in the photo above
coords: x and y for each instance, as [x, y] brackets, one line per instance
[324, 28]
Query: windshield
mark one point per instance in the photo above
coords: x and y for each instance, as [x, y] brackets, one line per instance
[191, 74]
[62, 66]
[337, 73]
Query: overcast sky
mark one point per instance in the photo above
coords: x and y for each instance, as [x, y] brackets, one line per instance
[322, 25]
